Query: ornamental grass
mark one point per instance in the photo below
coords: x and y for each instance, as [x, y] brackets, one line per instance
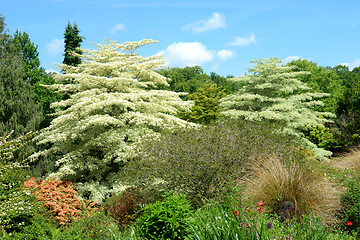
[292, 188]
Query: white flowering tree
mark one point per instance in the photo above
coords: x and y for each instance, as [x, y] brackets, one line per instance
[274, 92]
[112, 106]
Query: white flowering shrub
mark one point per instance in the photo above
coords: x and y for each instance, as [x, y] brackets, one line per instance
[16, 206]
[274, 92]
[112, 107]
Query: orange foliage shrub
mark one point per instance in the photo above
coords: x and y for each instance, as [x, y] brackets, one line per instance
[59, 197]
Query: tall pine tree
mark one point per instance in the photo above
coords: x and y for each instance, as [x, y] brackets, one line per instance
[72, 45]
[112, 108]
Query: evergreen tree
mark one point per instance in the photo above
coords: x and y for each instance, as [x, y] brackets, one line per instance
[72, 45]
[274, 93]
[36, 75]
[19, 110]
[206, 104]
[112, 109]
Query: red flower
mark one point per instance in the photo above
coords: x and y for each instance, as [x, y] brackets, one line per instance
[247, 225]
[260, 204]
[236, 213]
[349, 223]
[247, 209]
[260, 210]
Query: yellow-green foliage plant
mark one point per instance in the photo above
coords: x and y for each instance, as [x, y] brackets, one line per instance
[112, 107]
[292, 188]
[274, 92]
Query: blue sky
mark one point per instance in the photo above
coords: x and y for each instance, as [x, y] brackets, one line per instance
[222, 36]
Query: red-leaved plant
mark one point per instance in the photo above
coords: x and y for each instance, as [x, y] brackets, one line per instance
[59, 197]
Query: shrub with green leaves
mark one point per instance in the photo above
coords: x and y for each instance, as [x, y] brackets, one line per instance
[39, 227]
[94, 226]
[216, 221]
[197, 162]
[166, 219]
[329, 138]
[16, 206]
[350, 200]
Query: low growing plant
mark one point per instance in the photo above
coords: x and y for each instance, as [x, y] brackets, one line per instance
[17, 207]
[166, 219]
[292, 188]
[91, 226]
[215, 222]
[123, 207]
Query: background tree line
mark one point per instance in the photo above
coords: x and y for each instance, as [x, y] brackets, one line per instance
[25, 103]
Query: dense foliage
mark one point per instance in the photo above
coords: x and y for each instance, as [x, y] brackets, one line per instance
[17, 207]
[274, 92]
[72, 45]
[197, 162]
[206, 104]
[119, 136]
[36, 76]
[166, 219]
[19, 111]
[110, 111]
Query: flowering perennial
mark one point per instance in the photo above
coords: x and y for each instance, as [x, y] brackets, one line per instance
[59, 197]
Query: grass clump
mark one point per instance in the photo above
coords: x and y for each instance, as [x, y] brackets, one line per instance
[292, 188]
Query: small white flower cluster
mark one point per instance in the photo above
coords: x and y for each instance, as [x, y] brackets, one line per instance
[14, 205]
[13, 202]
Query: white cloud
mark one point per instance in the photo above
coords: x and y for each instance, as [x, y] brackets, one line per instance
[225, 54]
[239, 41]
[294, 58]
[354, 64]
[54, 47]
[181, 54]
[51, 71]
[116, 28]
[216, 21]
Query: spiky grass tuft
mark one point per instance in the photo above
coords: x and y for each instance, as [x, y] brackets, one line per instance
[290, 188]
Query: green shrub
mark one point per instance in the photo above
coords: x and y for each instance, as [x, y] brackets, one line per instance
[40, 227]
[216, 221]
[197, 162]
[16, 206]
[349, 214]
[91, 226]
[328, 138]
[166, 219]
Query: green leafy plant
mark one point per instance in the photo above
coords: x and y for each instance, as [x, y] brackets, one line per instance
[206, 104]
[92, 226]
[166, 219]
[350, 200]
[16, 206]
[216, 221]
[39, 226]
